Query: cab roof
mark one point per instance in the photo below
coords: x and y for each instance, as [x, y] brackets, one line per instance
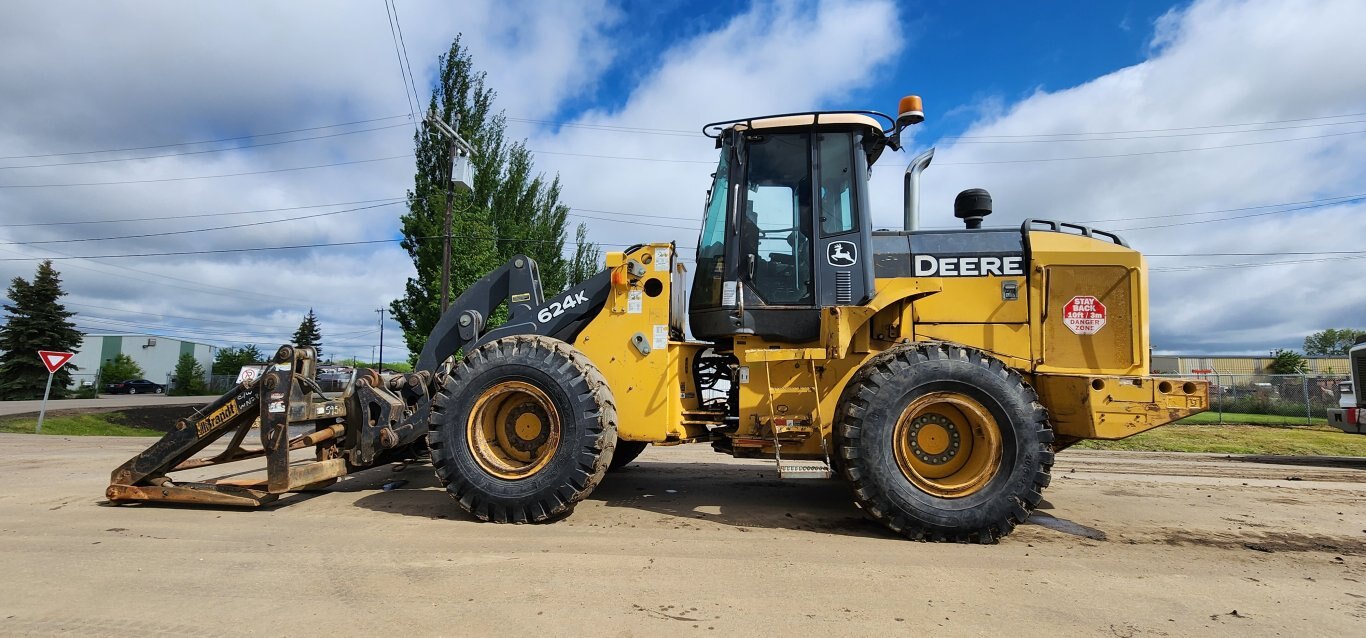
[857, 118]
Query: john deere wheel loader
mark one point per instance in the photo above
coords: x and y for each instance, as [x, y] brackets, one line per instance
[937, 372]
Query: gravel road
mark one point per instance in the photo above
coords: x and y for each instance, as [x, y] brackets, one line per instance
[687, 542]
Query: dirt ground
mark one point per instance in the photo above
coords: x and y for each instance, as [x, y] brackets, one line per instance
[685, 542]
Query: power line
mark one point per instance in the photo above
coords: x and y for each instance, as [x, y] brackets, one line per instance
[1226, 210]
[633, 223]
[1237, 217]
[190, 216]
[1152, 137]
[1137, 154]
[195, 177]
[1279, 254]
[151, 314]
[230, 333]
[195, 286]
[609, 128]
[632, 129]
[634, 159]
[212, 150]
[195, 230]
[399, 24]
[1200, 267]
[213, 141]
[402, 75]
[295, 247]
[1164, 130]
[614, 212]
[158, 332]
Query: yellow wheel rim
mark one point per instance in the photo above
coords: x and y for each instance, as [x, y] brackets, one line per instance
[513, 430]
[947, 444]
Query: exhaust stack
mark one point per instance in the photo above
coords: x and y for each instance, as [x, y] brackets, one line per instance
[912, 188]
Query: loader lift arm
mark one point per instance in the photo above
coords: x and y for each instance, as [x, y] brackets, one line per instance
[518, 282]
[373, 421]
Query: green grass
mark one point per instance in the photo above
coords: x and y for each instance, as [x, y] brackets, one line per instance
[100, 424]
[1209, 418]
[1317, 440]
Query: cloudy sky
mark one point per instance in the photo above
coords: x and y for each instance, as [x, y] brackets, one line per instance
[1227, 140]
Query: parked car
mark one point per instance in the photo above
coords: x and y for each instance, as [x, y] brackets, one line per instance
[135, 386]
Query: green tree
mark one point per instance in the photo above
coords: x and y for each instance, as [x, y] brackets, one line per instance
[510, 210]
[309, 334]
[1332, 341]
[35, 320]
[587, 259]
[189, 376]
[230, 360]
[120, 368]
[1287, 362]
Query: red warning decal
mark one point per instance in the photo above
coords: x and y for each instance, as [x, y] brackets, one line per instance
[1084, 315]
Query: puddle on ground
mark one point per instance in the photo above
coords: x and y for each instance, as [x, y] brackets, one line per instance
[1065, 526]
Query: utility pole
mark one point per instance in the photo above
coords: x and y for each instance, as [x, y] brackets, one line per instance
[461, 174]
[381, 339]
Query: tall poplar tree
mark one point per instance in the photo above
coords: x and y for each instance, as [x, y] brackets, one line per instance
[35, 320]
[511, 209]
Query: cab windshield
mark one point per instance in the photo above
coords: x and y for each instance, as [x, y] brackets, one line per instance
[711, 246]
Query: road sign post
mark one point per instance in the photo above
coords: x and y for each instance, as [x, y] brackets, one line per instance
[53, 361]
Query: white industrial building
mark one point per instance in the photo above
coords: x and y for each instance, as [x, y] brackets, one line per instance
[156, 355]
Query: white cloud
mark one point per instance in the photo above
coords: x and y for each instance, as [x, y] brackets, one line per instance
[87, 76]
[82, 76]
[1215, 62]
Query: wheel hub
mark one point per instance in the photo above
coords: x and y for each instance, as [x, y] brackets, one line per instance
[947, 444]
[934, 439]
[513, 430]
[525, 427]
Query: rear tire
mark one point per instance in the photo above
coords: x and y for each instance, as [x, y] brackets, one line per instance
[132, 390]
[522, 430]
[626, 452]
[943, 443]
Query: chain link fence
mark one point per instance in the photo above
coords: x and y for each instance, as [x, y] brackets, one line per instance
[1291, 399]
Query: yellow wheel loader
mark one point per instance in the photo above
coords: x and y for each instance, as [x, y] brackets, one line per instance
[937, 372]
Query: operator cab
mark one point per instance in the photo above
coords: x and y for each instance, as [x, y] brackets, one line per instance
[787, 229]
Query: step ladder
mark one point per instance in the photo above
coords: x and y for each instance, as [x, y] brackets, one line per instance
[797, 469]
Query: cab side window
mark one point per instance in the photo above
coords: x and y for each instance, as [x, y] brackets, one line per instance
[777, 217]
[835, 152]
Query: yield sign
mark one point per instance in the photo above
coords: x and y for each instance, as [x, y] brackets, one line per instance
[54, 360]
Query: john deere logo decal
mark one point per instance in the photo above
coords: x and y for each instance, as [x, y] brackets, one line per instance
[841, 253]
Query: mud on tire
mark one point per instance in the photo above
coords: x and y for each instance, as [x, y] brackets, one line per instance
[877, 399]
[587, 430]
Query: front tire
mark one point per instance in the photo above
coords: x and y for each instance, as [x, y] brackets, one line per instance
[944, 443]
[522, 430]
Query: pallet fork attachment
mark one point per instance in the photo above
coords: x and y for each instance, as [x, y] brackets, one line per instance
[374, 421]
[284, 396]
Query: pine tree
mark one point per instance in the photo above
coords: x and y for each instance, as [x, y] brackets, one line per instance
[510, 211]
[309, 334]
[35, 321]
